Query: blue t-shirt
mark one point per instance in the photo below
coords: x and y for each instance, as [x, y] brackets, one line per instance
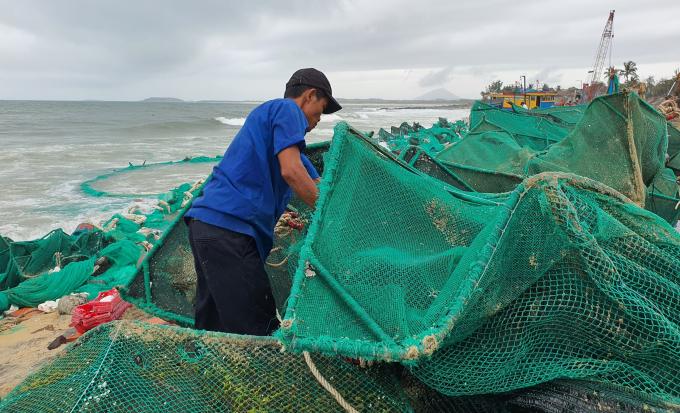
[247, 193]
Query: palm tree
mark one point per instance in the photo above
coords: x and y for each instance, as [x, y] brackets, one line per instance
[650, 81]
[630, 71]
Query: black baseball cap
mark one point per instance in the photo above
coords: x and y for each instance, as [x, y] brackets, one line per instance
[316, 79]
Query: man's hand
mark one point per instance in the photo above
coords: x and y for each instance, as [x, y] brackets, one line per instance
[297, 177]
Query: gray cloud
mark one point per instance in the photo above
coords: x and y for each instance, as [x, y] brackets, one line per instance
[550, 75]
[436, 77]
[231, 50]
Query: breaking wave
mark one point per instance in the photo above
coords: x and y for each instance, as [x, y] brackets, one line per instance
[231, 121]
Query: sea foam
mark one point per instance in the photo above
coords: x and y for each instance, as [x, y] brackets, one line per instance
[331, 118]
[231, 121]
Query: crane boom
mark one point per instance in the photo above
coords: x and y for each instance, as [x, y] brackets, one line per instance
[602, 49]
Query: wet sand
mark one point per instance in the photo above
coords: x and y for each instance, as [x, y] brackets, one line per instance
[23, 346]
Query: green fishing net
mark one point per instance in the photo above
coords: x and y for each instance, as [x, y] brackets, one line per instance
[431, 140]
[527, 128]
[90, 260]
[166, 284]
[136, 367]
[561, 278]
[620, 141]
[125, 182]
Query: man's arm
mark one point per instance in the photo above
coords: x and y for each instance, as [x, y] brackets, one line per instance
[296, 175]
[311, 170]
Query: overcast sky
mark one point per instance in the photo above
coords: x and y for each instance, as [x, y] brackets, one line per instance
[242, 50]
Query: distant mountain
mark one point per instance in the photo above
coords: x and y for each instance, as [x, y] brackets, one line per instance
[438, 94]
[161, 99]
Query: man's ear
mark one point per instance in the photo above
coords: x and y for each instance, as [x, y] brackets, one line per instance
[308, 95]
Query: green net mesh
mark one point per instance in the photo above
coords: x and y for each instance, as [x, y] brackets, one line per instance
[619, 141]
[166, 284]
[136, 367]
[27, 259]
[663, 196]
[5, 256]
[565, 114]
[131, 366]
[673, 147]
[90, 260]
[431, 140]
[564, 278]
[418, 158]
[532, 129]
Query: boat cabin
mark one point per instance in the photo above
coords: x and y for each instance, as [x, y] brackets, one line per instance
[534, 99]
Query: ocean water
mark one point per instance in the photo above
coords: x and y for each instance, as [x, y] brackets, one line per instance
[47, 149]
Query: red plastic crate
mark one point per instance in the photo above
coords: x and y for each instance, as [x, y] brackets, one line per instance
[108, 306]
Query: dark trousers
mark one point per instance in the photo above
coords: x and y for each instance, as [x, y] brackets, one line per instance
[233, 294]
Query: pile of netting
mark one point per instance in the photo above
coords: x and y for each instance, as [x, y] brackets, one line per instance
[561, 278]
[432, 140]
[536, 129]
[407, 289]
[620, 141]
[136, 367]
[127, 366]
[92, 259]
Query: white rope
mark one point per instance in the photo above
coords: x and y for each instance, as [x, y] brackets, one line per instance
[165, 206]
[57, 257]
[188, 195]
[137, 219]
[326, 385]
[187, 198]
[196, 185]
[278, 264]
[146, 245]
[156, 233]
[111, 225]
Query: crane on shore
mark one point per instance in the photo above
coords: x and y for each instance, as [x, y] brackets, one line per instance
[603, 48]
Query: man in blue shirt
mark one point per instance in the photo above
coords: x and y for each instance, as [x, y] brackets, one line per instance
[231, 225]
